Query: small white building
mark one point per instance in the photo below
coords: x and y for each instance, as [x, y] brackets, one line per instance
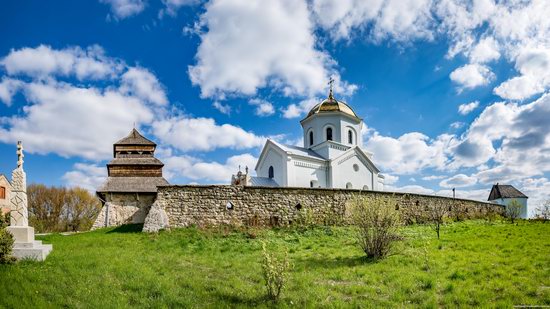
[332, 155]
[504, 194]
[5, 191]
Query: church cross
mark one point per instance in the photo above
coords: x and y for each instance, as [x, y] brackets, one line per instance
[330, 83]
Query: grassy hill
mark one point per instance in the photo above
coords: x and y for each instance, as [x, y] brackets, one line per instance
[474, 264]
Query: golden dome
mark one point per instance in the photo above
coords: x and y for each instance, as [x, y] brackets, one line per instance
[332, 105]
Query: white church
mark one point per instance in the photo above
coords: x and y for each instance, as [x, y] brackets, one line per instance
[332, 155]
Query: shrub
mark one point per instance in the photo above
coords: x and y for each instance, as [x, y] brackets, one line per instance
[436, 215]
[304, 220]
[543, 211]
[275, 272]
[6, 241]
[513, 210]
[377, 222]
[4, 220]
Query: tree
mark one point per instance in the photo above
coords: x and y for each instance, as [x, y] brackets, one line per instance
[59, 209]
[543, 211]
[513, 210]
[378, 224]
[436, 215]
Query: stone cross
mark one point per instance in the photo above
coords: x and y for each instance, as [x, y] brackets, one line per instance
[19, 208]
[20, 154]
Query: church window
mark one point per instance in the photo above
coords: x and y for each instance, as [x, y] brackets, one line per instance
[350, 137]
[271, 173]
[365, 187]
[2, 193]
[356, 167]
[349, 185]
[310, 138]
[329, 134]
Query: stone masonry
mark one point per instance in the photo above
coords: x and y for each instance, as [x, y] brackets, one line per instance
[237, 205]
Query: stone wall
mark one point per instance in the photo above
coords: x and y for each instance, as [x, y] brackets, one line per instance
[237, 205]
[124, 208]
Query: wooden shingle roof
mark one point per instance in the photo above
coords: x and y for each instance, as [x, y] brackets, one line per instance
[505, 191]
[132, 184]
[135, 138]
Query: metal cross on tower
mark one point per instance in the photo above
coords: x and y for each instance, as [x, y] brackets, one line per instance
[330, 83]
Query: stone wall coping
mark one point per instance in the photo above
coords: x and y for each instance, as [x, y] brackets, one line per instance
[323, 189]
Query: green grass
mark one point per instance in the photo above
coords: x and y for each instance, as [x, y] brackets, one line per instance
[474, 264]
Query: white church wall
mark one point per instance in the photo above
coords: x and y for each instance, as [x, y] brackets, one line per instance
[348, 124]
[318, 124]
[352, 170]
[278, 161]
[330, 149]
[523, 213]
[302, 172]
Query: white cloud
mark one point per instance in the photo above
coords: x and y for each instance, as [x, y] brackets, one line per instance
[222, 108]
[458, 181]
[534, 66]
[390, 179]
[481, 30]
[486, 50]
[400, 20]
[466, 108]
[143, 84]
[411, 189]
[86, 176]
[54, 123]
[457, 125]
[172, 6]
[203, 134]
[8, 88]
[248, 45]
[410, 153]
[433, 177]
[263, 108]
[43, 61]
[70, 119]
[472, 75]
[84, 120]
[296, 110]
[210, 172]
[522, 134]
[537, 190]
[125, 8]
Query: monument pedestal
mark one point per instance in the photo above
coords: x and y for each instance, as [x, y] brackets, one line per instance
[25, 247]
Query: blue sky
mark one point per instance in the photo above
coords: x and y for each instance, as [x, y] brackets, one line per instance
[453, 93]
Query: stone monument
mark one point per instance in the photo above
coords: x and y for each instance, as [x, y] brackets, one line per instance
[25, 247]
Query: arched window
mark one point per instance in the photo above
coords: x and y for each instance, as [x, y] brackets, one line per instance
[2, 193]
[329, 134]
[310, 138]
[350, 137]
[365, 187]
[349, 185]
[271, 172]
